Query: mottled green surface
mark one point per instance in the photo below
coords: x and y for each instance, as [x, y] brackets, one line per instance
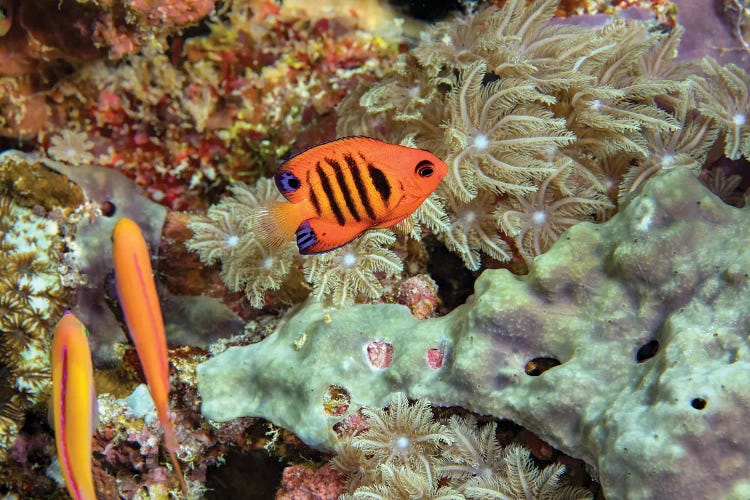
[672, 266]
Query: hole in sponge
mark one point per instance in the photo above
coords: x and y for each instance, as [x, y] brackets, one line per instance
[537, 366]
[108, 209]
[698, 403]
[647, 351]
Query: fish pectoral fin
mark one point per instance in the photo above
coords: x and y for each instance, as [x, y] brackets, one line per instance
[318, 236]
[276, 221]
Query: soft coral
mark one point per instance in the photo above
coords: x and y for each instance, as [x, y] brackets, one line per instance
[537, 220]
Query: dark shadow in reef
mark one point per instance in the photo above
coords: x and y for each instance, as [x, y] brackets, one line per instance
[251, 476]
[455, 282]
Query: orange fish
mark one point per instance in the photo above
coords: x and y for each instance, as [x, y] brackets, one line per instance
[340, 189]
[73, 405]
[136, 291]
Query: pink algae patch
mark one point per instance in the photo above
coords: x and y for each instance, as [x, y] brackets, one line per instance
[380, 354]
[435, 358]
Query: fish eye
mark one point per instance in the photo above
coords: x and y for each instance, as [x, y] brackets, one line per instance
[424, 168]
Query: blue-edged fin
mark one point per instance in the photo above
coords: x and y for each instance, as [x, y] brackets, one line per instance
[275, 222]
[318, 236]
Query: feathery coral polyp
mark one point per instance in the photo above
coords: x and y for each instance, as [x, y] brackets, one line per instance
[724, 96]
[495, 133]
[536, 221]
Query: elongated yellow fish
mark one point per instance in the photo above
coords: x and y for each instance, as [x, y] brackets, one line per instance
[136, 291]
[73, 405]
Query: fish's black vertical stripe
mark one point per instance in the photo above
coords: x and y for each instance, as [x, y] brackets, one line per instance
[326, 183]
[313, 197]
[380, 181]
[344, 188]
[361, 189]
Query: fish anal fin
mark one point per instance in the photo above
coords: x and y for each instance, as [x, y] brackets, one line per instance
[318, 236]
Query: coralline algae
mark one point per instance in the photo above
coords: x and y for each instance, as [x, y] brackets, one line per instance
[646, 314]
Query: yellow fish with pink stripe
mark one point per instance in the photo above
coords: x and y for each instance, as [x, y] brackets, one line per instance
[73, 405]
[136, 291]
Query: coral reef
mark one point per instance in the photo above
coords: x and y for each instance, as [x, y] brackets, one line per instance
[184, 116]
[34, 204]
[531, 115]
[46, 40]
[300, 483]
[226, 234]
[626, 346]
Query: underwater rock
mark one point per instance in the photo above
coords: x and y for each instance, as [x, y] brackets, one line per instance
[626, 346]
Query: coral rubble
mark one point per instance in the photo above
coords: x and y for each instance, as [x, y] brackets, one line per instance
[626, 346]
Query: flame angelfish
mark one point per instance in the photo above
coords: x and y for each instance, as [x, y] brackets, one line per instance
[342, 188]
[136, 291]
[73, 405]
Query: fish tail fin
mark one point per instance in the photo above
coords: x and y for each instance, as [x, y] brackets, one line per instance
[275, 222]
[170, 443]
